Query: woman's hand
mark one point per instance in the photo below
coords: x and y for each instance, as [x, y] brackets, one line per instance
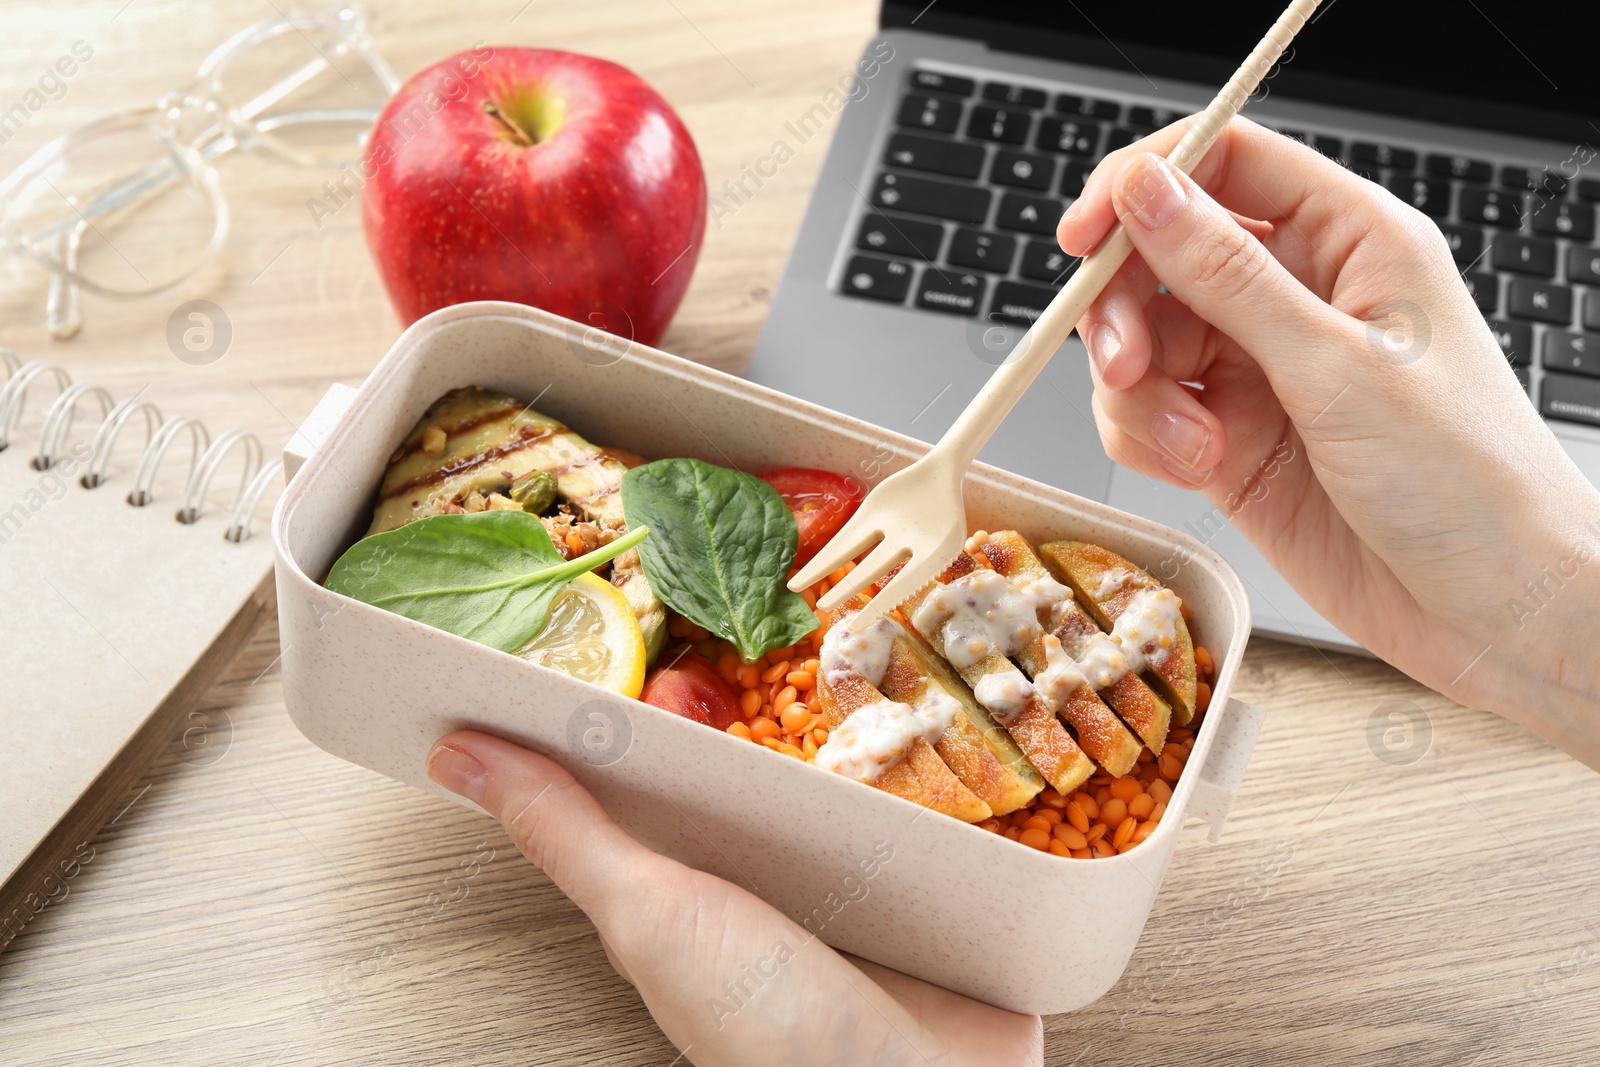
[1356, 419]
[685, 938]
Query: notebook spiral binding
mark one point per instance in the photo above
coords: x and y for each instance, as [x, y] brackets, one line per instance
[205, 455]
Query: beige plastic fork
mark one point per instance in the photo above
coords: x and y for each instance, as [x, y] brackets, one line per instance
[917, 514]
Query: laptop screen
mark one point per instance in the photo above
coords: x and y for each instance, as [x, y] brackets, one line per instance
[1499, 64]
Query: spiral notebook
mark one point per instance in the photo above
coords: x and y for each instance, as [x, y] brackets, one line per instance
[126, 589]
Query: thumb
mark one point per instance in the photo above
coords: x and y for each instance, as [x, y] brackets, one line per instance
[1205, 258]
[551, 818]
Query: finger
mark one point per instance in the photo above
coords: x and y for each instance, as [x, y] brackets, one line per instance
[1162, 333]
[1163, 415]
[1225, 275]
[1113, 329]
[552, 819]
[1129, 452]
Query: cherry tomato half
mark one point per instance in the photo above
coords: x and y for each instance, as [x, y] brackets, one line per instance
[692, 688]
[821, 501]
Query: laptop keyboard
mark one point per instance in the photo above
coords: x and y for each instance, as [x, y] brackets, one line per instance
[975, 175]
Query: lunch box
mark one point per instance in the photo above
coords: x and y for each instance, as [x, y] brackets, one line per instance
[864, 871]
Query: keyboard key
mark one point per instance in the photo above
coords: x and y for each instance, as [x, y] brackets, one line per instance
[1540, 301]
[999, 124]
[1591, 312]
[1518, 178]
[1088, 107]
[1043, 261]
[1383, 155]
[1527, 180]
[1562, 396]
[1583, 265]
[1484, 290]
[1466, 242]
[1563, 218]
[921, 196]
[1332, 147]
[1515, 340]
[1428, 195]
[1493, 206]
[934, 155]
[1139, 115]
[1589, 189]
[982, 251]
[1573, 352]
[930, 113]
[900, 237]
[957, 294]
[1525, 255]
[1022, 170]
[1463, 167]
[939, 82]
[1030, 214]
[877, 279]
[1018, 95]
[1019, 303]
[1122, 137]
[1078, 137]
[1073, 175]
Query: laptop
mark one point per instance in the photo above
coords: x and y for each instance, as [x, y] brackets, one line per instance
[929, 245]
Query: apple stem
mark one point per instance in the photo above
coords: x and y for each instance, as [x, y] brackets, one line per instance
[518, 134]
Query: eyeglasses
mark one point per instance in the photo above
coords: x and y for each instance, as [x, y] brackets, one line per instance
[131, 205]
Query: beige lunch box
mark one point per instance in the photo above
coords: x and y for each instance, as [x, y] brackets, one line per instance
[865, 871]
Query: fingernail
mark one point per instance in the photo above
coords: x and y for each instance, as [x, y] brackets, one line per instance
[1193, 479]
[1073, 211]
[1104, 344]
[1151, 188]
[1181, 437]
[458, 772]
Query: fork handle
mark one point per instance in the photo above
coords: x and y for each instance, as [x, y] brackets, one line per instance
[974, 426]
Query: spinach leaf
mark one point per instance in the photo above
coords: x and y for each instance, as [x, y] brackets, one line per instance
[721, 551]
[490, 576]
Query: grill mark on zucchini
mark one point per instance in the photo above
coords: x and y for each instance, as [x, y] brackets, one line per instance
[410, 447]
[526, 436]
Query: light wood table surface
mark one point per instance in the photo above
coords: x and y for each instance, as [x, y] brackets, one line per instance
[261, 902]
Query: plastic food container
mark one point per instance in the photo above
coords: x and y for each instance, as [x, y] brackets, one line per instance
[866, 872]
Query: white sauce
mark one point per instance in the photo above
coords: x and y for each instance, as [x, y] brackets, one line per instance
[1103, 660]
[1061, 676]
[985, 611]
[1143, 637]
[845, 652]
[1005, 693]
[1147, 629]
[877, 734]
[1113, 581]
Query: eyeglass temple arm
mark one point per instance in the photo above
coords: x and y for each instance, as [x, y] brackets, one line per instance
[211, 144]
[62, 310]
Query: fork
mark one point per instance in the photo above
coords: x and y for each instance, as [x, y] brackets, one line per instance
[917, 515]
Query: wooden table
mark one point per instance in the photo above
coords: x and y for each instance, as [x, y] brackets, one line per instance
[261, 902]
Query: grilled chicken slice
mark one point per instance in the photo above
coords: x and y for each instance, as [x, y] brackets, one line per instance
[919, 775]
[1100, 732]
[975, 747]
[1107, 586]
[472, 444]
[1003, 690]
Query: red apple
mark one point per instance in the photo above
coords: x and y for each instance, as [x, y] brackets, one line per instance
[541, 177]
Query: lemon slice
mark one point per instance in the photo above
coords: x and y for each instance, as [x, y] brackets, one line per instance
[592, 635]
